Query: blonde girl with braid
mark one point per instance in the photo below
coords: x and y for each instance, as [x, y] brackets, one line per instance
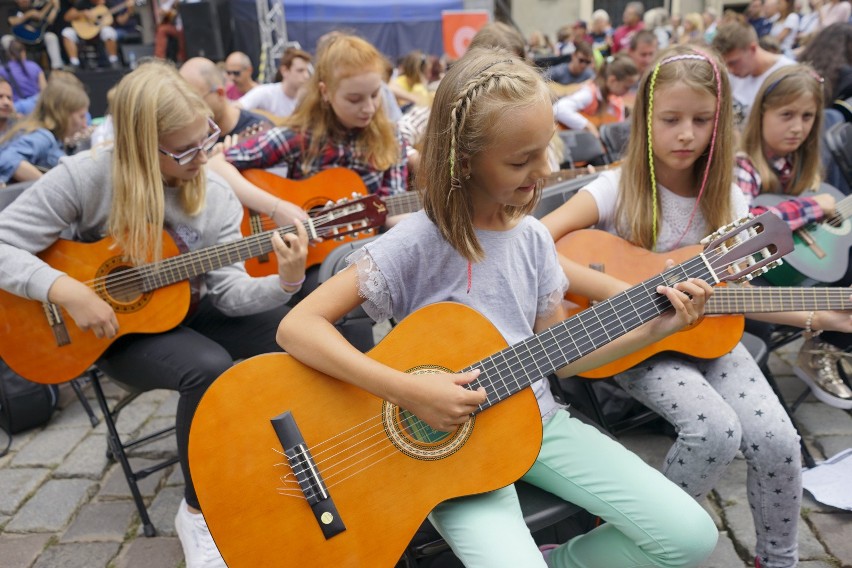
[153, 180]
[679, 189]
[484, 160]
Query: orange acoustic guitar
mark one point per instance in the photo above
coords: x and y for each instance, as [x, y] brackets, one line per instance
[302, 467]
[311, 194]
[716, 334]
[41, 343]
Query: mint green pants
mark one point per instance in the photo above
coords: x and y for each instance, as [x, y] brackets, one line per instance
[649, 520]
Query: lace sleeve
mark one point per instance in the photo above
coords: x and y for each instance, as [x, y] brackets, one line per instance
[548, 303]
[371, 286]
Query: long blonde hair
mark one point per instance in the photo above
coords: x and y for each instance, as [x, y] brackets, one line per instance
[782, 87]
[151, 102]
[58, 100]
[340, 57]
[477, 90]
[637, 207]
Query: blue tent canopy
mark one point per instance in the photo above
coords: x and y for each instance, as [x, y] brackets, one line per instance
[395, 28]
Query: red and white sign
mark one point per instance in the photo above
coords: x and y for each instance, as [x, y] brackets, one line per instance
[459, 28]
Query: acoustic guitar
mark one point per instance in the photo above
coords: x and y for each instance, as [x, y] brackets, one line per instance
[41, 343]
[822, 249]
[315, 192]
[91, 21]
[302, 467]
[31, 31]
[717, 333]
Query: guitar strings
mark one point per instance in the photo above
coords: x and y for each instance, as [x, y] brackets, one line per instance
[396, 204]
[733, 300]
[130, 279]
[360, 448]
[841, 213]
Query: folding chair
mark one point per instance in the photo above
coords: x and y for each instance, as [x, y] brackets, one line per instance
[614, 137]
[583, 147]
[117, 449]
[838, 138]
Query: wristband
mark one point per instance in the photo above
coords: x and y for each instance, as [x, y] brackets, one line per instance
[808, 323]
[293, 284]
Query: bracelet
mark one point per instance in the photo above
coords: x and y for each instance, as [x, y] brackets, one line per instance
[293, 284]
[809, 322]
[274, 208]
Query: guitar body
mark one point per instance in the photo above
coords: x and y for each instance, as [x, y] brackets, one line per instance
[382, 492]
[89, 27]
[807, 261]
[310, 194]
[27, 342]
[713, 337]
[32, 31]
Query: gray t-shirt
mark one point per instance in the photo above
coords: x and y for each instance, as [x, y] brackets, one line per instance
[74, 200]
[412, 266]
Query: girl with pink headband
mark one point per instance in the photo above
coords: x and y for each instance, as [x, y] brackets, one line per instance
[677, 189]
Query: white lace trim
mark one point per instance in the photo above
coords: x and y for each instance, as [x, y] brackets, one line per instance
[548, 303]
[371, 286]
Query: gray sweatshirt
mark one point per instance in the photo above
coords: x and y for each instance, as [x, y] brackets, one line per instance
[73, 200]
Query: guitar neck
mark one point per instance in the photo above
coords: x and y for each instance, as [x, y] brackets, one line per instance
[517, 367]
[754, 299]
[402, 203]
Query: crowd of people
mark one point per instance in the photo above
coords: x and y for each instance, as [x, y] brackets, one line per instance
[721, 109]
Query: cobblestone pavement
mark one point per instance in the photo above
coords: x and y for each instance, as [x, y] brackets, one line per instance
[64, 505]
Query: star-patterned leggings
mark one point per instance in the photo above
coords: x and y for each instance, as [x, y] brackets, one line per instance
[718, 407]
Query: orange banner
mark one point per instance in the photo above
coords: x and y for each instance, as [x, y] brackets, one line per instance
[459, 28]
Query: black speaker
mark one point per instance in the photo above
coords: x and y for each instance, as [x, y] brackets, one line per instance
[207, 28]
[98, 82]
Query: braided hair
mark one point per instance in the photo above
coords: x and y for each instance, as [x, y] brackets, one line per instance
[481, 87]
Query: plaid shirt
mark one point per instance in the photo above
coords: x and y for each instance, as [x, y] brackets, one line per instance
[796, 211]
[283, 146]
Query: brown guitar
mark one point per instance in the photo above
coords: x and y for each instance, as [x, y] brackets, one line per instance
[311, 194]
[717, 333]
[304, 468]
[41, 343]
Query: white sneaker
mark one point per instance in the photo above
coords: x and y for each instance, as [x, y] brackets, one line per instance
[198, 547]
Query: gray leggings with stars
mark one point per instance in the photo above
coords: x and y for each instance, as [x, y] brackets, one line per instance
[718, 407]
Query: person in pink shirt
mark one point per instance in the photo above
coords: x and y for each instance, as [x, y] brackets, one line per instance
[834, 11]
[239, 70]
[632, 19]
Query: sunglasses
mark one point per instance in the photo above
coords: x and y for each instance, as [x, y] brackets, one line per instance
[583, 61]
[187, 156]
[233, 73]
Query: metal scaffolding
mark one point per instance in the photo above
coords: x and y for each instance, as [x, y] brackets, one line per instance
[273, 37]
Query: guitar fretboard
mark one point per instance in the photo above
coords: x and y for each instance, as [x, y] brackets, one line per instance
[737, 299]
[517, 367]
[401, 203]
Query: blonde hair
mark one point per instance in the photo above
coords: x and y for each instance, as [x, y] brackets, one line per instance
[780, 88]
[59, 99]
[342, 56]
[151, 102]
[482, 86]
[636, 204]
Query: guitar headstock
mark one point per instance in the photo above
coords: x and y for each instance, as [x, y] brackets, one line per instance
[349, 216]
[747, 247]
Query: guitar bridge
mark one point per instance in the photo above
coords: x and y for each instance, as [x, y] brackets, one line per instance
[310, 481]
[56, 323]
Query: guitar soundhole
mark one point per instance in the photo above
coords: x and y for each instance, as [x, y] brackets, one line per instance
[415, 438]
[120, 285]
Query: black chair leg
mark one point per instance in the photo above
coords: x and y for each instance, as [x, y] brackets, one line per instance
[78, 390]
[117, 450]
